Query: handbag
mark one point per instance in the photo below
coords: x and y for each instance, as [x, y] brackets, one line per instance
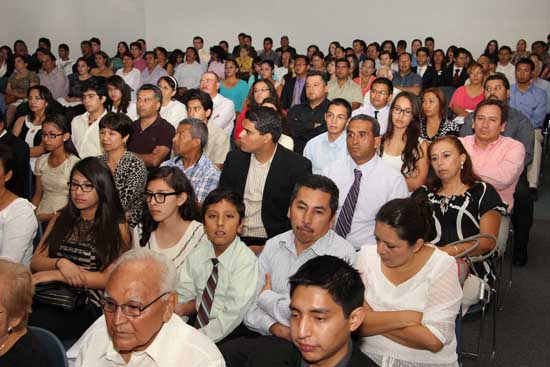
[60, 295]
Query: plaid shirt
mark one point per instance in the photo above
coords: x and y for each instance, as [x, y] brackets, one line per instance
[204, 175]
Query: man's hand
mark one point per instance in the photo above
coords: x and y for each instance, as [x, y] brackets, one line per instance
[280, 331]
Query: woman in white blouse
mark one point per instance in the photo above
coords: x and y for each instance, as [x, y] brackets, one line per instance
[412, 292]
[130, 74]
[119, 98]
[171, 110]
[18, 223]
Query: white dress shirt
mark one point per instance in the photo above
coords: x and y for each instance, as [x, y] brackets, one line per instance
[383, 115]
[18, 228]
[174, 112]
[175, 345]
[280, 260]
[420, 70]
[223, 113]
[86, 137]
[321, 152]
[133, 79]
[379, 184]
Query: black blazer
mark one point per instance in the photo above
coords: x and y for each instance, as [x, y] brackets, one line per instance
[430, 78]
[447, 77]
[286, 168]
[288, 91]
[20, 182]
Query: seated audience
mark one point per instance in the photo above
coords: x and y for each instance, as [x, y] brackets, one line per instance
[455, 74]
[402, 147]
[435, 123]
[217, 61]
[199, 106]
[153, 72]
[119, 100]
[189, 143]
[116, 62]
[77, 82]
[85, 127]
[18, 84]
[79, 248]
[307, 120]
[361, 197]
[20, 347]
[19, 184]
[377, 102]
[129, 171]
[29, 127]
[170, 220]
[331, 145]
[326, 306]
[266, 72]
[146, 332]
[366, 76]
[188, 74]
[151, 137]
[264, 173]
[102, 68]
[218, 283]
[466, 97]
[505, 65]
[463, 205]
[294, 92]
[343, 86]
[267, 53]
[223, 112]
[18, 224]
[412, 325]
[233, 88]
[52, 169]
[405, 78]
[53, 78]
[130, 74]
[171, 110]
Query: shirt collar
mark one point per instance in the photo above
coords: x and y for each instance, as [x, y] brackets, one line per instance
[491, 145]
[226, 257]
[319, 247]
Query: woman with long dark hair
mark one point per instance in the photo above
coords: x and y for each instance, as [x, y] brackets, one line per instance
[79, 248]
[491, 50]
[52, 169]
[103, 66]
[121, 49]
[170, 219]
[78, 81]
[435, 122]
[439, 63]
[401, 146]
[120, 100]
[18, 84]
[217, 61]
[232, 87]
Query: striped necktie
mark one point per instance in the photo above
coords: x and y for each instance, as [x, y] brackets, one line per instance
[208, 297]
[343, 225]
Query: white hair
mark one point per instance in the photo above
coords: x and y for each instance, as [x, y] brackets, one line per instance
[166, 267]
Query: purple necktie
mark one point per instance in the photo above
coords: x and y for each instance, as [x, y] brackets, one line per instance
[343, 225]
[203, 316]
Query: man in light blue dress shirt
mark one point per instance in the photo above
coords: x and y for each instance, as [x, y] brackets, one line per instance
[331, 145]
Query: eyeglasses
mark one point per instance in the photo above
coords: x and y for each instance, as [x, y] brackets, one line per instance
[261, 90]
[398, 110]
[331, 116]
[160, 197]
[85, 187]
[110, 306]
[51, 136]
[381, 92]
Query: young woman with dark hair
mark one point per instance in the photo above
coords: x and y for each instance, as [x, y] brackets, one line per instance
[232, 87]
[52, 169]
[120, 99]
[18, 84]
[130, 74]
[121, 49]
[170, 223]
[401, 146]
[79, 248]
[102, 68]
[171, 110]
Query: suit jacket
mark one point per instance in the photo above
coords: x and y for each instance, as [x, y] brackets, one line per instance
[288, 91]
[430, 79]
[20, 182]
[447, 77]
[286, 168]
[280, 353]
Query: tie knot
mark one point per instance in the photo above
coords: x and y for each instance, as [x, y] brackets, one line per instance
[215, 261]
[357, 173]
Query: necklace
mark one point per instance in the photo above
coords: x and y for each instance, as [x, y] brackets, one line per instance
[446, 200]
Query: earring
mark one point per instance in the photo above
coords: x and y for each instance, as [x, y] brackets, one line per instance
[461, 165]
[10, 329]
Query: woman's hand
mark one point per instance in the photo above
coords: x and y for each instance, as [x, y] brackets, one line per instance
[72, 273]
[43, 277]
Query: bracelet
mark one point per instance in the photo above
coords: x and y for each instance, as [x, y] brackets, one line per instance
[56, 261]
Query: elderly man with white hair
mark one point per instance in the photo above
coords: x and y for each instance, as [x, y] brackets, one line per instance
[141, 328]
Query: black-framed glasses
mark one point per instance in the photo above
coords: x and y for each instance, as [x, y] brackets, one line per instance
[160, 197]
[110, 306]
[85, 187]
[398, 110]
[51, 136]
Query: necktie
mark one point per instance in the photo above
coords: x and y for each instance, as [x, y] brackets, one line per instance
[297, 93]
[455, 77]
[343, 226]
[376, 114]
[208, 297]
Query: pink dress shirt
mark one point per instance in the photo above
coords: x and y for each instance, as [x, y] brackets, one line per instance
[500, 164]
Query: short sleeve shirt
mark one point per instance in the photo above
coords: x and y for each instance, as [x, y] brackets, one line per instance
[160, 133]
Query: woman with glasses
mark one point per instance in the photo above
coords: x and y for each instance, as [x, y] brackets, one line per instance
[79, 247]
[170, 222]
[435, 124]
[52, 169]
[128, 169]
[401, 146]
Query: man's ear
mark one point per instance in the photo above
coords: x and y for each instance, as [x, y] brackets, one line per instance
[170, 307]
[356, 318]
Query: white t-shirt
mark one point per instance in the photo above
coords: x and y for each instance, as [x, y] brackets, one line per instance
[18, 228]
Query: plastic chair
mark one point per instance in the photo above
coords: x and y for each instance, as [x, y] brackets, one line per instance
[54, 353]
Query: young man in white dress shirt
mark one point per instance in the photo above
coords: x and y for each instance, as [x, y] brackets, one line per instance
[378, 183]
[378, 106]
[141, 328]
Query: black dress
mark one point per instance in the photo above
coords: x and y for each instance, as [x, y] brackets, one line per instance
[27, 351]
[458, 217]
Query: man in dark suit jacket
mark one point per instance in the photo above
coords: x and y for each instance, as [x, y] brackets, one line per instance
[20, 182]
[264, 172]
[324, 287]
[301, 67]
[455, 75]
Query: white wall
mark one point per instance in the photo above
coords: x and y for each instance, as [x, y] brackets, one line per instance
[173, 23]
